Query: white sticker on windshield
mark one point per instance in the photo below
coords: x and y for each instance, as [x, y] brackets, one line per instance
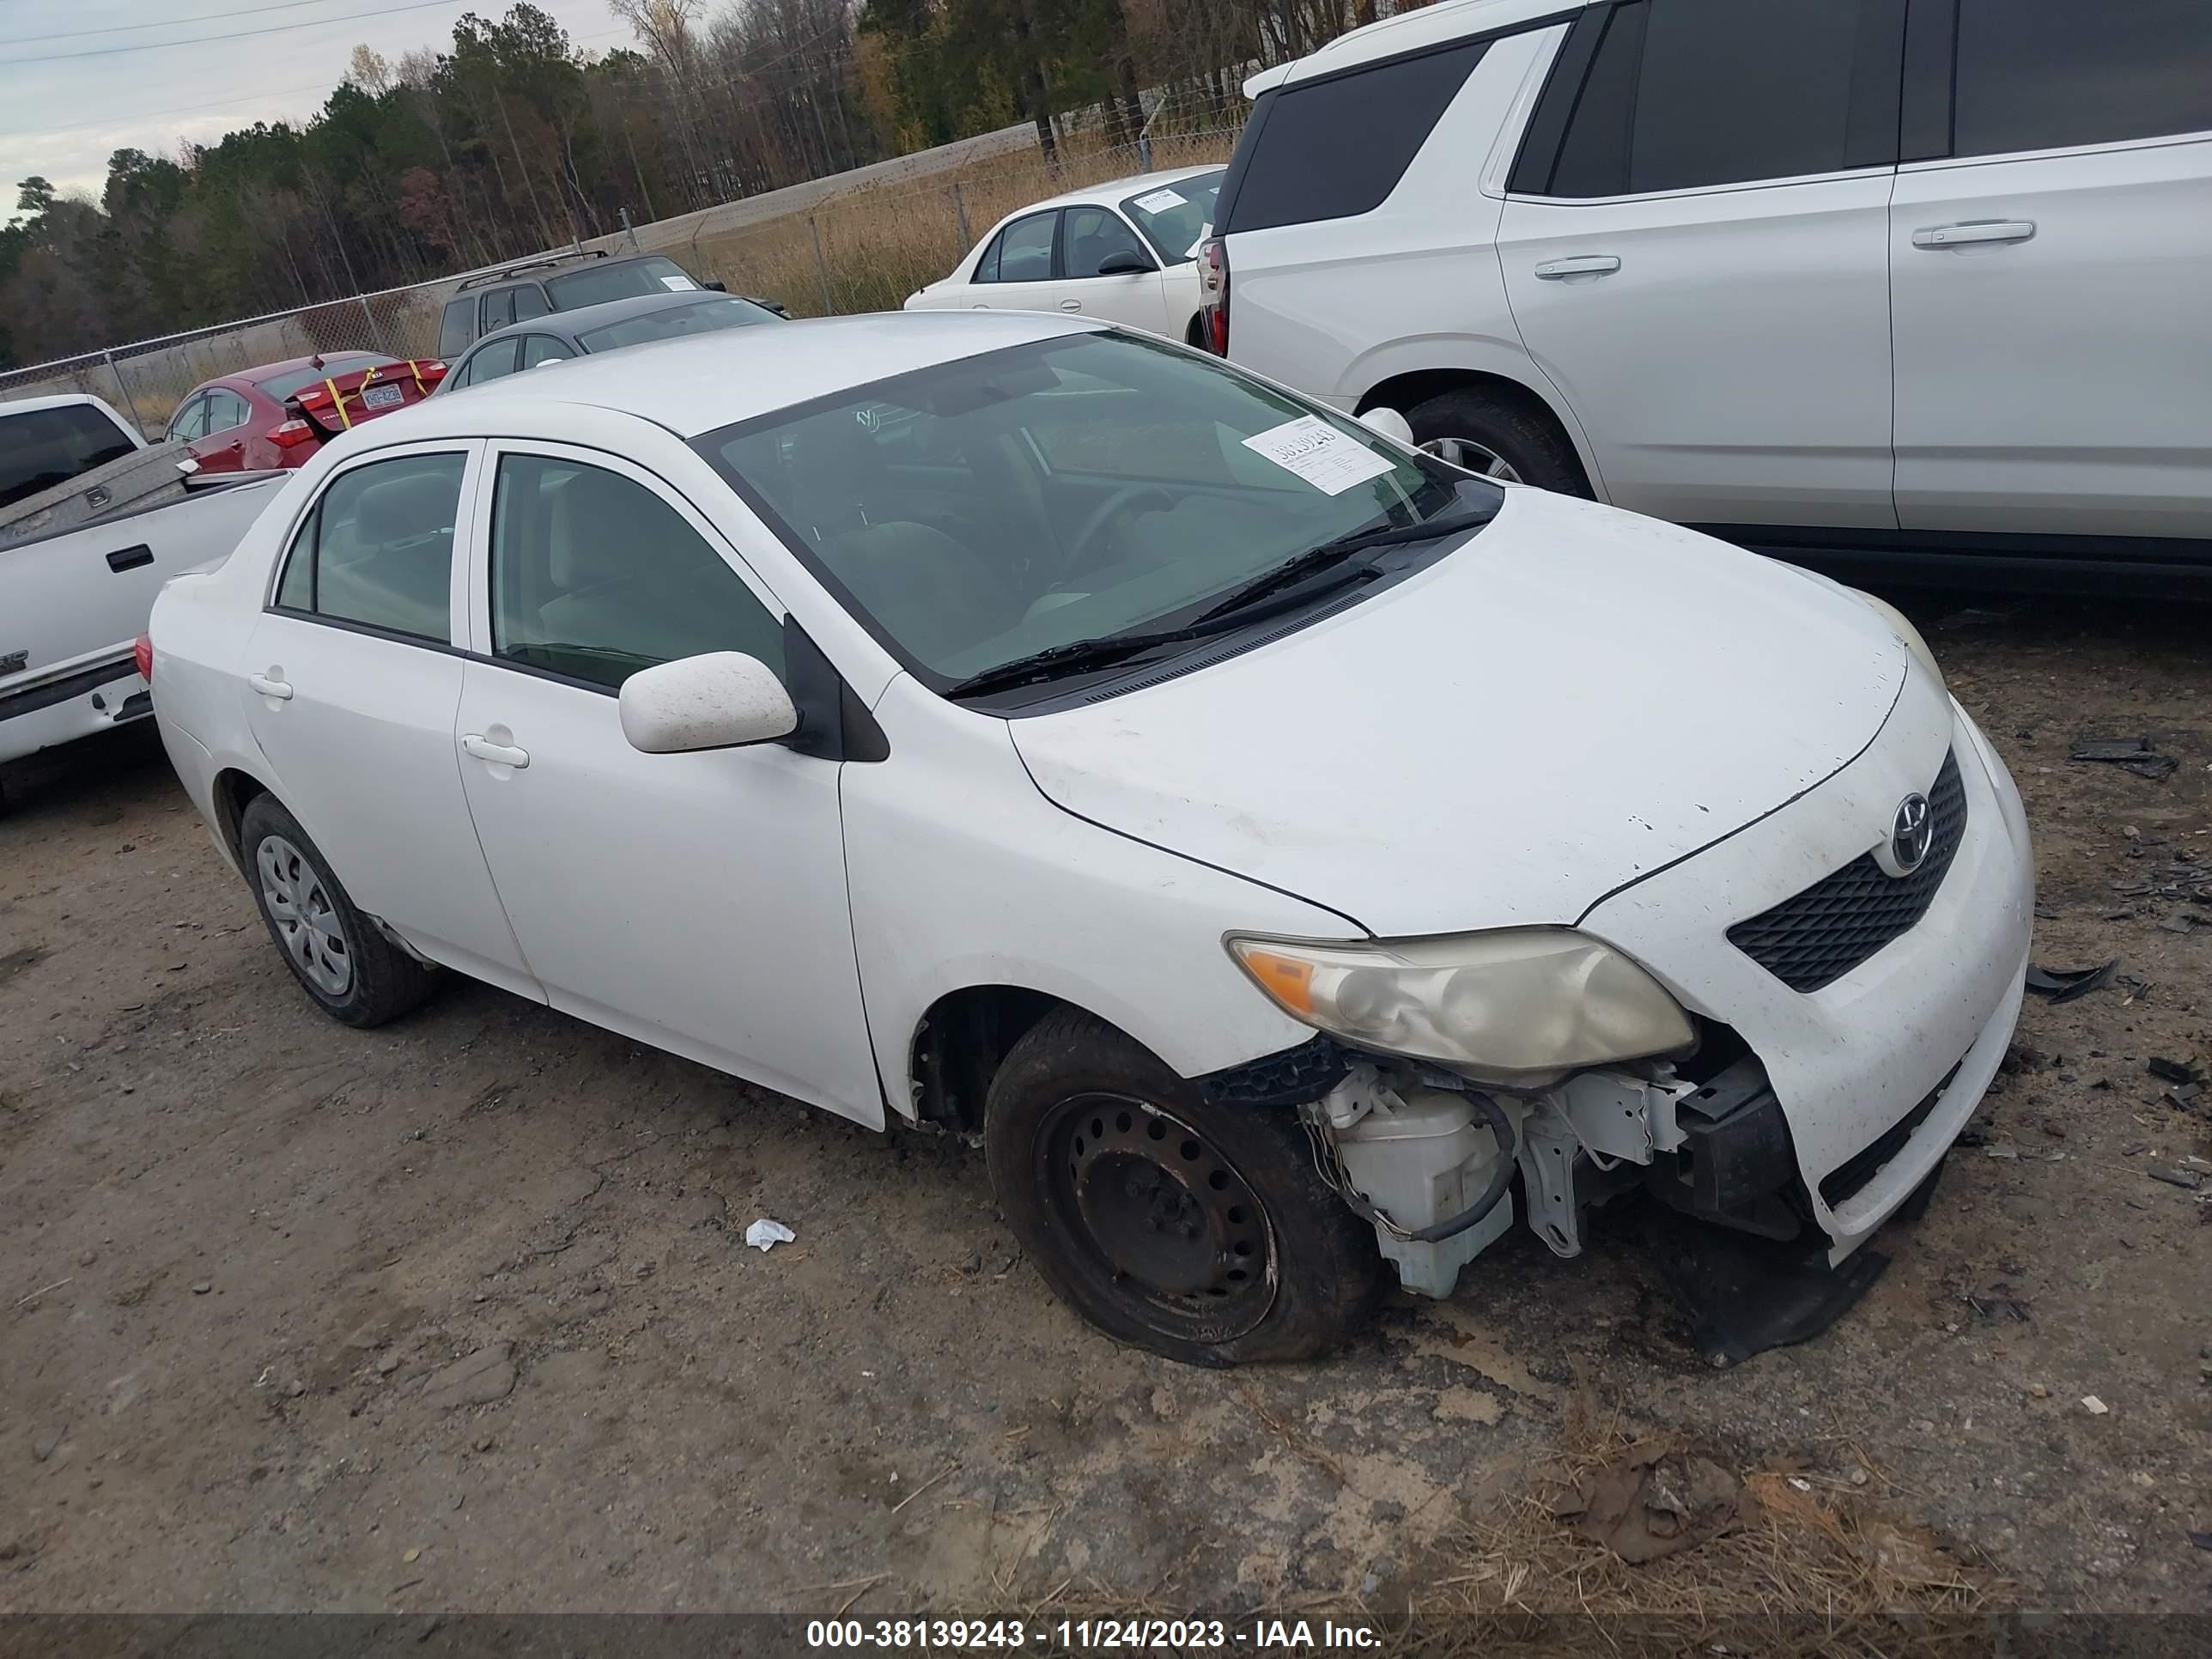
[677, 284]
[1319, 454]
[1159, 201]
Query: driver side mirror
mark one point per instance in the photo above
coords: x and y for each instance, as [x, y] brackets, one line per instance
[715, 288]
[1127, 262]
[722, 700]
[1390, 424]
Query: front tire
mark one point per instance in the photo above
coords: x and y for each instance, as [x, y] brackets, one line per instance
[1196, 1230]
[343, 960]
[1510, 439]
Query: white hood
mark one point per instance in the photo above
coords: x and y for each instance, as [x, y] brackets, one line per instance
[1572, 699]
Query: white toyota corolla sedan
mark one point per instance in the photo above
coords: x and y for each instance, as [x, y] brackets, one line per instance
[1293, 854]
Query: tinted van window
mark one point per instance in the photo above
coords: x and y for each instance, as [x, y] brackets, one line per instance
[1689, 92]
[2045, 74]
[1335, 147]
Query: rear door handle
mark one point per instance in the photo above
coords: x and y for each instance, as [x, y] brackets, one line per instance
[1588, 264]
[269, 687]
[2001, 230]
[130, 558]
[1071, 305]
[499, 754]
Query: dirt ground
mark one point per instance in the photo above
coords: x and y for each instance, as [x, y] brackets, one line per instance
[456, 1315]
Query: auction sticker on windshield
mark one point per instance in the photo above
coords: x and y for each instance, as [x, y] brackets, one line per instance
[1319, 454]
[1160, 201]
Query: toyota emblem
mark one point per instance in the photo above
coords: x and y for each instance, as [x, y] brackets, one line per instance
[1912, 834]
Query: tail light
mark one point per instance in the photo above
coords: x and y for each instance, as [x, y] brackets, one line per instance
[293, 432]
[1213, 283]
[432, 370]
[141, 653]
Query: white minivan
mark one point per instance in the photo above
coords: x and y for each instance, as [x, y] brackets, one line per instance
[1916, 288]
[1292, 853]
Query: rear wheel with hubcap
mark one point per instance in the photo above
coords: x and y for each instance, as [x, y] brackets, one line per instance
[1499, 436]
[345, 962]
[1196, 1230]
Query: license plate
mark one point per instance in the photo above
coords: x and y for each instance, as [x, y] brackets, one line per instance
[382, 397]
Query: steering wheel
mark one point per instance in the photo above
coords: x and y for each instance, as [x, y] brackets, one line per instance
[1081, 555]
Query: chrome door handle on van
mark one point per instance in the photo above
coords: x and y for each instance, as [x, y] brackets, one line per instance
[1589, 264]
[2005, 230]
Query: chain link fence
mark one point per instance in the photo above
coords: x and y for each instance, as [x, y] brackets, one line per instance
[859, 241]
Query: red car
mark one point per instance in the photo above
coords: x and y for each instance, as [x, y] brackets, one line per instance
[277, 414]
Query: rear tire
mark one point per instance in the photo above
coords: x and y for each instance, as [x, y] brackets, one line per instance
[341, 958]
[1196, 1230]
[1500, 436]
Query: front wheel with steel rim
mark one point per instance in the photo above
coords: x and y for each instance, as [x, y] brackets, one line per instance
[1197, 1230]
[1498, 432]
[353, 972]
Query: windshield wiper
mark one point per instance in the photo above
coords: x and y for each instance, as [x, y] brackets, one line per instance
[1342, 551]
[1076, 657]
[1080, 656]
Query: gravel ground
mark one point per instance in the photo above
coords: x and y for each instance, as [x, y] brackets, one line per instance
[456, 1315]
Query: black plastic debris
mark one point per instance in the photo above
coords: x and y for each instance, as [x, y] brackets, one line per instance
[2173, 1071]
[2065, 984]
[2132, 754]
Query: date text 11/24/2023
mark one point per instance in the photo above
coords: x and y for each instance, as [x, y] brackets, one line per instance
[1092, 1635]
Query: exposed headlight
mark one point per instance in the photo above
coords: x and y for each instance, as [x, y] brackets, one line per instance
[1905, 631]
[1519, 1006]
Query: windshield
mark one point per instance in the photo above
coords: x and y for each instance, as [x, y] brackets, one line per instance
[595, 284]
[1173, 217]
[42, 447]
[703, 318]
[282, 386]
[980, 511]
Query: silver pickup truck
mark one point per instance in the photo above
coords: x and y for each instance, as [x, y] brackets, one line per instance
[92, 520]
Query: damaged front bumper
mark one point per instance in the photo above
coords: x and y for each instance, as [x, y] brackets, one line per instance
[1806, 1120]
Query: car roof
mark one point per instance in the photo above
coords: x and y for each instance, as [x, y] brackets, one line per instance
[261, 372]
[569, 324]
[1117, 189]
[702, 382]
[1410, 31]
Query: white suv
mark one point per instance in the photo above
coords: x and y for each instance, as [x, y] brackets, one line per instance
[1850, 280]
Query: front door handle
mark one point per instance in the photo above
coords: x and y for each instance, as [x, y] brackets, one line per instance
[272, 685]
[2001, 230]
[1588, 264]
[500, 754]
[1071, 305]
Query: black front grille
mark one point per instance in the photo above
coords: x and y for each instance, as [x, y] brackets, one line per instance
[1840, 920]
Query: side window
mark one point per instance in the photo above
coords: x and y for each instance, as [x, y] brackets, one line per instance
[1682, 94]
[2046, 73]
[1094, 234]
[529, 302]
[1023, 253]
[1334, 147]
[498, 308]
[377, 548]
[190, 422]
[542, 348]
[595, 576]
[495, 360]
[227, 409]
[457, 327]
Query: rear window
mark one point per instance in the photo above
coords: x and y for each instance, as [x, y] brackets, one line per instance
[704, 317]
[459, 327]
[1175, 215]
[283, 386]
[1336, 147]
[2047, 74]
[596, 284]
[43, 447]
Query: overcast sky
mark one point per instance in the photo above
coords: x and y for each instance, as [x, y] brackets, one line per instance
[62, 117]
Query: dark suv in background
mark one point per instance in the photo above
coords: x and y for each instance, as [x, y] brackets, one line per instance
[498, 298]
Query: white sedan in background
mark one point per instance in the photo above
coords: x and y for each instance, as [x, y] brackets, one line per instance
[1121, 251]
[1292, 853]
